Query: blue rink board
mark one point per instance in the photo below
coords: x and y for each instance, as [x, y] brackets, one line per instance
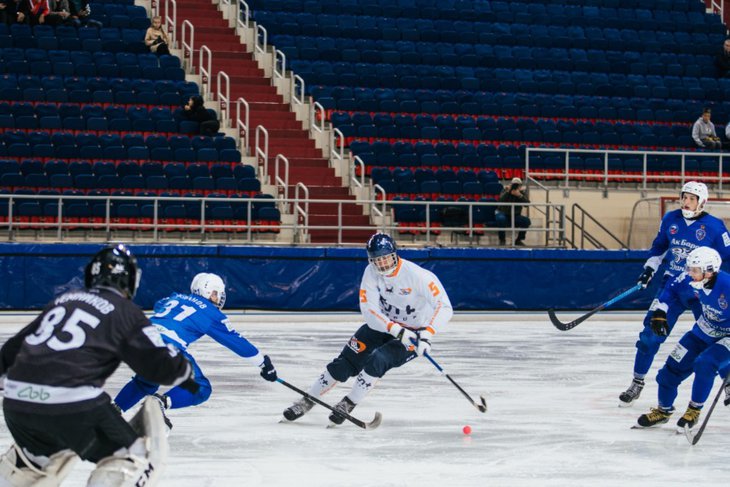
[320, 278]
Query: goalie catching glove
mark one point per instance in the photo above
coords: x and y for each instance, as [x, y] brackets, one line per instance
[659, 323]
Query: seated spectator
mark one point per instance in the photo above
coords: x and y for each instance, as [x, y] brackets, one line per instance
[722, 60]
[8, 12]
[156, 37]
[703, 132]
[80, 14]
[503, 215]
[58, 13]
[33, 12]
[195, 110]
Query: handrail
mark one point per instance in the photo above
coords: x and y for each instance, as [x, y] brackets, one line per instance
[357, 161]
[242, 14]
[224, 97]
[205, 70]
[338, 142]
[242, 125]
[379, 189]
[584, 232]
[188, 47]
[171, 21]
[548, 218]
[105, 224]
[279, 58]
[633, 217]
[299, 211]
[262, 36]
[642, 179]
[262, 153]
[278, 181]
[316, 106]
[297, 81]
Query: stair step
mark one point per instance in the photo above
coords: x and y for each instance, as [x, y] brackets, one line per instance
[348, 236]
[237, 93]
[331, 218]
[331, 208]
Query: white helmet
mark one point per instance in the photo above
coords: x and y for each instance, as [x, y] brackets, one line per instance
[707, 260]
[698, 189]
[204, 284]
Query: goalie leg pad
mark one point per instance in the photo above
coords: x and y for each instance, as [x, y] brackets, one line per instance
[56, 470]
[125, 469]
[149, 422]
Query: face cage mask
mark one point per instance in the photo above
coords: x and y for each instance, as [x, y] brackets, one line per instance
[384, 264]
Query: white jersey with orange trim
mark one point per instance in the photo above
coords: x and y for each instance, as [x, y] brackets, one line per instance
[411, 296]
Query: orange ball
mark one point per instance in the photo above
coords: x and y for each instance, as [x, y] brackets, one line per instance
[466, 429]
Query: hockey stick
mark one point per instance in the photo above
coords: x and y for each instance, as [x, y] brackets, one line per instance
[362, 424]
[482, 407]
[572, 324]
[693, 437]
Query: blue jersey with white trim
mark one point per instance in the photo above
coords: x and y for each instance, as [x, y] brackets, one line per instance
[678, 237]
[185, 318]
[715, 319]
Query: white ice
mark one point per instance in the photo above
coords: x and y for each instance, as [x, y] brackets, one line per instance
[553, 417]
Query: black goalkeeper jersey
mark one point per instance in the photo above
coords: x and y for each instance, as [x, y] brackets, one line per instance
[60, 361]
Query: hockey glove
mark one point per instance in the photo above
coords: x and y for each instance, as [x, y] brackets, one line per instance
[645, 277]
[423, 344]
[268, 371]
[659, 323]
[190, 385]
[406, 337]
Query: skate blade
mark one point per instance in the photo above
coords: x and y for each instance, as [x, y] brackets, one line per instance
[622, 404]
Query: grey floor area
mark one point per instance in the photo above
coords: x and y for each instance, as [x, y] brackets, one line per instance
[552, 420]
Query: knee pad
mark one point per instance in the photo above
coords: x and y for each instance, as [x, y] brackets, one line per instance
[55, 471]
[377, 365]
[705, 365]
[205, 390]
[648, 342]
[341, 369]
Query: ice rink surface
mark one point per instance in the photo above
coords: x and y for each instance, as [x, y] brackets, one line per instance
[552, 420]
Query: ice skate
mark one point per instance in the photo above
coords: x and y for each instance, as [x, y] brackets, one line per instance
[632, 393]
[690, 418]
[298, 409]
[164, 405]
[346, 406]
[654, 417]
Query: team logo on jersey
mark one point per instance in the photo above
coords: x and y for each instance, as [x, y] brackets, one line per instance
[405, 291]
[680, 254]
[722, 302]
[701, 233]
[673, 229]
[356, 345]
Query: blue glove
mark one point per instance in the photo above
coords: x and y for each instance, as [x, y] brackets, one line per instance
[268, 371]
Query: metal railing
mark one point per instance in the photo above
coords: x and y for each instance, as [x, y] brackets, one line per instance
[297, 90]
[223, 94]
[279, 64]
[262, 37]
[579, 220]
[188, 46]
[569, 173]
[170, 21]
[357, 162]
[155, 224]
[242, 124]
[317, 116]
[262, 152]
[242, 14]
[205, 62]
[282, 184]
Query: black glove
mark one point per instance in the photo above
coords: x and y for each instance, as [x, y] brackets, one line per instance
[659, 323]
[645, 277]
[190, 385]
[268, 371]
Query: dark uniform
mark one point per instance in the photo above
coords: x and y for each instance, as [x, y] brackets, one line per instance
[56, 366]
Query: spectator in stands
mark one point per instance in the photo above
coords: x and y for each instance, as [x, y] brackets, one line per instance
[503, 215]
[703, 132]
[8, 11]
[33, 12]
[722, 60]
[58, 13]
[195, 110]
[80, 14]
[156, 37]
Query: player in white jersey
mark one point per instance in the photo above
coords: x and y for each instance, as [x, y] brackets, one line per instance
[403, 306]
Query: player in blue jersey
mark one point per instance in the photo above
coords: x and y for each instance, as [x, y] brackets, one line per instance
[681, 232]
[182, 319]
[705, 349]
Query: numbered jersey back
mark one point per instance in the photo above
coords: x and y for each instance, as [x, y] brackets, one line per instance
[77, 339]
[184, 318]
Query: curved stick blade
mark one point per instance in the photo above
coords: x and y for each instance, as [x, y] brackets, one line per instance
[483, 406]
